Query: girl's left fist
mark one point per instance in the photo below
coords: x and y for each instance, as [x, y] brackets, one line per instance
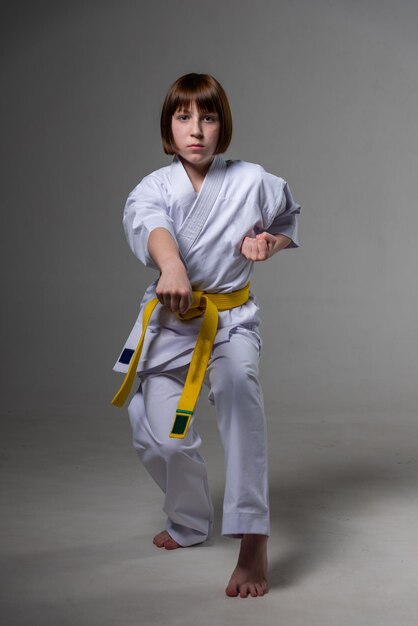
[260, 247]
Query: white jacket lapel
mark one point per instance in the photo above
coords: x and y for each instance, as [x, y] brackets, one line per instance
[195, 209]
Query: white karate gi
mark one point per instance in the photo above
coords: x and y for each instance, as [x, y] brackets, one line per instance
[237, 199]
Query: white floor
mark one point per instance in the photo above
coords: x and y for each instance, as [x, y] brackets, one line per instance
[79, 513]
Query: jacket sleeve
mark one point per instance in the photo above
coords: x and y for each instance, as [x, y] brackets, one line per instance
[146, 208]
[278, 208]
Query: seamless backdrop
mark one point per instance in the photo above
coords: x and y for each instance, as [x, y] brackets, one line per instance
[323, 93]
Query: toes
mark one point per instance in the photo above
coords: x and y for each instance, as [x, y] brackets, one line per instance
[253, 589]
[170, 544]
[232, 590]
[163, 540]
[259, 589]
[246, 589]
[159, 539]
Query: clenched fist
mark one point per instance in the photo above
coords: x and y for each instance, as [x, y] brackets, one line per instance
[263, 246]
[173, 288]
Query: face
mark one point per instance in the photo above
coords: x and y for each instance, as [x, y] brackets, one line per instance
[195, 135]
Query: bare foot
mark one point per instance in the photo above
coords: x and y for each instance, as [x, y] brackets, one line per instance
[250, 575]
[163, 540]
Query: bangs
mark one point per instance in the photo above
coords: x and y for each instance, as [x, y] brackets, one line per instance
[205, 102]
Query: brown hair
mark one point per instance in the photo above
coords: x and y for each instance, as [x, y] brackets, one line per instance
[209, 96]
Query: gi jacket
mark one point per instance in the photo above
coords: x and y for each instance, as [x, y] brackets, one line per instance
[237, 199]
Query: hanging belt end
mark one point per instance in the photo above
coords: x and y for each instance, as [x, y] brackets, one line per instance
[181, 423]
[118, 400]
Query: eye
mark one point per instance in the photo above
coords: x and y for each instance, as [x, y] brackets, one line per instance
[183, 117]
[210, 118]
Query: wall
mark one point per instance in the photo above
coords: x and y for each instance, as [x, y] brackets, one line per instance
[323, 93]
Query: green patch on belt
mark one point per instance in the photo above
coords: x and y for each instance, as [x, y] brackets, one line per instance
[181, 422]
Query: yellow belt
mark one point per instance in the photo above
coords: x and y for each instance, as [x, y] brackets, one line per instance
[208, 305]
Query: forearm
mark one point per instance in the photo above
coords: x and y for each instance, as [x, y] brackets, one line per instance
[281, 242]
[173, 289]
[163, 249]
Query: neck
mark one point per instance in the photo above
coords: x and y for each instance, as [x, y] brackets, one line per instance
[196, 173]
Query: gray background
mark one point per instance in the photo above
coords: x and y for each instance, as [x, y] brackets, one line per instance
[325, 94]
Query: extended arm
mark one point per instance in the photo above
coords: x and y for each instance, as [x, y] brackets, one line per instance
[263, 246]
[173, 288]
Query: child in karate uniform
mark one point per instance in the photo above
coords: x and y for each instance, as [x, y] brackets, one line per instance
[203, 222]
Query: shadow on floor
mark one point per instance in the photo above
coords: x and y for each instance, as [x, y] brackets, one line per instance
[315, 513]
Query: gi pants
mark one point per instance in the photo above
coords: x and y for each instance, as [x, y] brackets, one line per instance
[177, 466]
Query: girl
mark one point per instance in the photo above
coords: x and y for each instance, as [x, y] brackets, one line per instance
[202, 222]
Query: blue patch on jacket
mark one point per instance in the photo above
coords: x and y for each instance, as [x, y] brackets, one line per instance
[126, 356]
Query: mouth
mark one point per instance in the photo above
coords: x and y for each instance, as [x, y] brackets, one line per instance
[196, 145]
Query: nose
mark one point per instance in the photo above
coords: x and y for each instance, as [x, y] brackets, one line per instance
[196, 130]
